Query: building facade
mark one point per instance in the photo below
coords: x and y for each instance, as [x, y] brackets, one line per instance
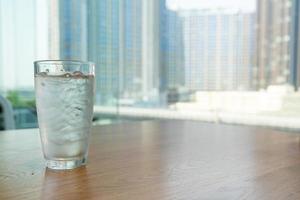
[273, 42]
[131, 49]
[218, 49]
[173, 50]
[73, 29]
[67, 24]
[134, 43]
[104, 47]
[295, 45]
[150, 49]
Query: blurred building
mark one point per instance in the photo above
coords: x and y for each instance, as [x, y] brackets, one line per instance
[172, 57]
[67, 24]
[104, 47]
[173, 50]
[218, 49]
[131, 49]
[136, 45]
[295, 45]
[151, 57]
[87, 30]
[124, 40]
[273, 42]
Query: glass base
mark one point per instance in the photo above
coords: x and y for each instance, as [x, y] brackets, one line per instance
[65, 164]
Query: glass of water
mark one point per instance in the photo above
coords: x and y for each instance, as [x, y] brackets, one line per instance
[64, 99]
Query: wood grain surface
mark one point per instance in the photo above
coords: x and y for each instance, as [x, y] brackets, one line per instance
[159, 160]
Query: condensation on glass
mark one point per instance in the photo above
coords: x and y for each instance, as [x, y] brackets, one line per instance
[64, 99]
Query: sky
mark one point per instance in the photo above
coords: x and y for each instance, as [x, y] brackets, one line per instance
[245, 5]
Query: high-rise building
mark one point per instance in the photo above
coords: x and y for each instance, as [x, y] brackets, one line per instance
[151, 59]
[173, 51]
[104, 47]
[131, 46]
[295, 45]
[124, 40]
[88, 30]
[67, 29]
[273, 42]
[218, 48]
[151, 14]
[73, 29]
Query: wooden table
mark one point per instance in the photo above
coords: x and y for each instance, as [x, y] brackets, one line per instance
[159, 160]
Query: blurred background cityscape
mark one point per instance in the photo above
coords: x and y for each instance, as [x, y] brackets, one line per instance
[207, 60]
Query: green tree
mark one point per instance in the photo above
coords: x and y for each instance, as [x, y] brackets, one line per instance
[17, 102]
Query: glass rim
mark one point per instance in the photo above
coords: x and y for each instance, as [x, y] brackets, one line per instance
[76, 62]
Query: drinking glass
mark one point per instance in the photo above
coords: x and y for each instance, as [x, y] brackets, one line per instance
[64, 99]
